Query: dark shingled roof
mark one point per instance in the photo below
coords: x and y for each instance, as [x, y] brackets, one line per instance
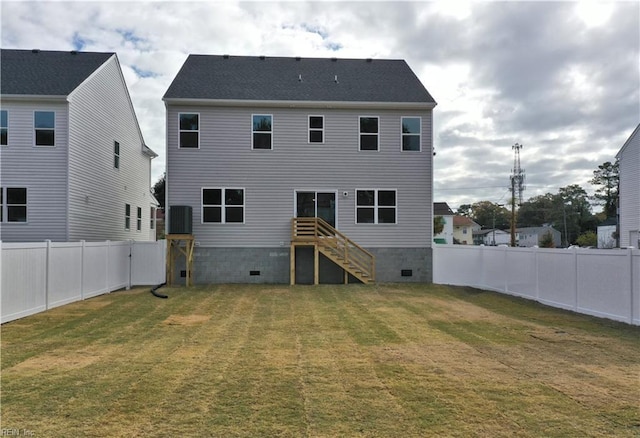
[297, 79]
[46, 73]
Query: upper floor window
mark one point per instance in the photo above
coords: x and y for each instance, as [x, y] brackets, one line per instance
[189, 130]
[4, 128]
[116, 155]
[375, 206]
[222, 205]
[262, 131]
[152, 218]
[411, 129]
[316, 129]
[369, 133]
[139, 220]
[44, 123]
[127, 217]
[13, 204]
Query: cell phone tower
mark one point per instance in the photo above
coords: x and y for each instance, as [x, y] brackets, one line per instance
[517, 187]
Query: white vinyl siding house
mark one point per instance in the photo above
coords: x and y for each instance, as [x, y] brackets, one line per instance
[76, 177]
[309, 161]
[629, 194]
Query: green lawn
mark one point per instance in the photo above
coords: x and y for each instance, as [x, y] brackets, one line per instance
[253, 360]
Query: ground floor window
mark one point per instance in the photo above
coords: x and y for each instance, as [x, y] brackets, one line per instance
[222, 205]
[376, 206]
[13, 204]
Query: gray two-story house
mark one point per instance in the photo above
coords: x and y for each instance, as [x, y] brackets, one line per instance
[254, 142]
[74, 165]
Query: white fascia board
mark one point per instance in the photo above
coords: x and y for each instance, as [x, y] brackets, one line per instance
[624, 146]
[300, 104]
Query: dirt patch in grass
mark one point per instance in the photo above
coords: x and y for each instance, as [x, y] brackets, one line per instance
[59, 361]
[186, 319]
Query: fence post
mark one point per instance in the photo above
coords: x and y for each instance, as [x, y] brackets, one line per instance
[82, 268]
[107, 265]
[131, 242]
[47, 275]
[631, 291]
[537, 270]
[576, 278]
[506, 270]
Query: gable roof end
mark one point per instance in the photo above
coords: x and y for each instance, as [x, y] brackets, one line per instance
[277, 79]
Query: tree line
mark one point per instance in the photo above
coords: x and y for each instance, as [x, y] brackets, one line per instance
[568, 211]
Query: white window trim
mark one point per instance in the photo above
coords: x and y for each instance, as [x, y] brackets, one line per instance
[55, 117]
[188, 130]
[262, 132]
[360, 134]
[310, 129]
[138, 219]
[402, 134]
[223, 213]
[7, 128]
[152, 218]
[5, 206]
[127, 216]
[375, 206]
[116, 155]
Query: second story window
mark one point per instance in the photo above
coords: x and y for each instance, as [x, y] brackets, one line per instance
[44, 123]
[127, 217]
[139, 220]
[116, 155]
[411, 133]
[4, 128]
[369, 133]
[189, 130]
[13, 204]
[262, 131]
[316, 129]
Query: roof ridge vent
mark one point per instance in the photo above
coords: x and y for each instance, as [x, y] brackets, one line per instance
[334, 59]
[297, 58]
[369, 60]
[35, 50]
[262, 57]
[74, 52]
[225, 56]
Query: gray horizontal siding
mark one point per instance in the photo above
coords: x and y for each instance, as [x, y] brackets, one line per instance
[42, 170]
[225, 159]
[630, 190]
[100, 113]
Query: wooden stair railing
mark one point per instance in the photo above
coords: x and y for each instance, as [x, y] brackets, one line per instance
[313, 231]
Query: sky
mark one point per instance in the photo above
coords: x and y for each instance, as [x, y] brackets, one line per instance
[562, 79]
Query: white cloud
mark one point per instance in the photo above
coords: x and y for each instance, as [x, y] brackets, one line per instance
[556, 77]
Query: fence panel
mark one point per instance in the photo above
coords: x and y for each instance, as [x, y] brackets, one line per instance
[65, 273]
[38, 276]
[604, 287]
[148, 262]
[23, 292]
[603, 283]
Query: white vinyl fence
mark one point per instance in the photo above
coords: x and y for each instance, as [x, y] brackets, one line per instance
[604, 283]
[39, 276]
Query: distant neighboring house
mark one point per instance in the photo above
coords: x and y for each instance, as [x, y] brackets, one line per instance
[442, 209]
[264, 148]
[629, 195]
[463, 229]
[491, 237]
[74, 165]
[531, 236]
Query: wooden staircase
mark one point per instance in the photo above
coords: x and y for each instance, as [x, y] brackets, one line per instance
[326, 240]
